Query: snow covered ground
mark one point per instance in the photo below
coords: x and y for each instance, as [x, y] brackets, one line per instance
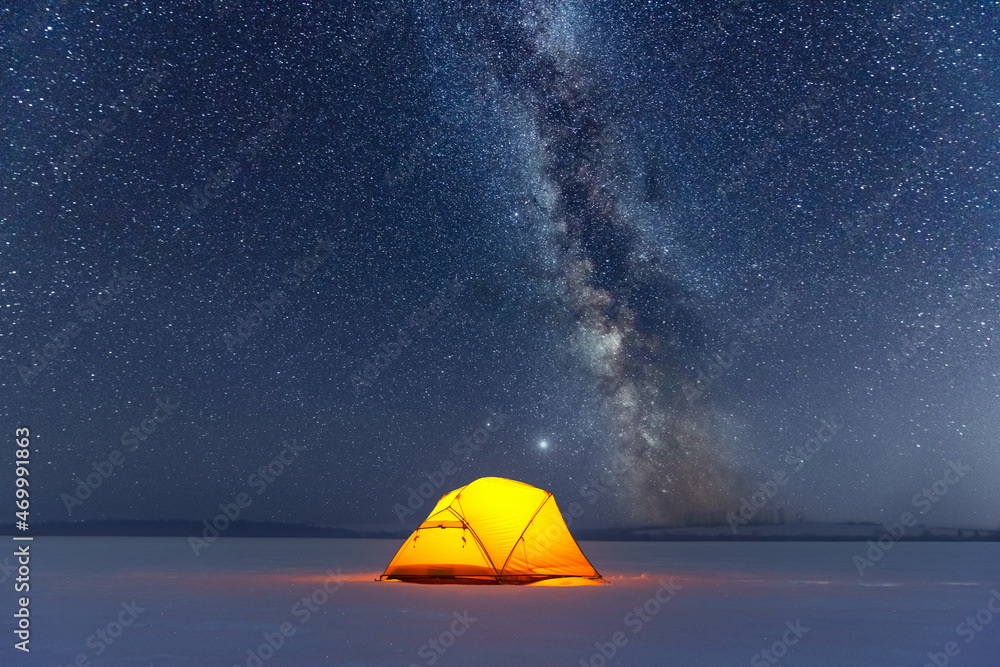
[151, 601]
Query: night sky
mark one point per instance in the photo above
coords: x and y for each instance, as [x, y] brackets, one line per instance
[660, 240]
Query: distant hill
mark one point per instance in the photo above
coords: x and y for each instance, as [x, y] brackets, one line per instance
[826, 532]
[816, 532]
[179, 528]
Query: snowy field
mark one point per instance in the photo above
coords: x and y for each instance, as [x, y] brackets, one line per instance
[685, 604]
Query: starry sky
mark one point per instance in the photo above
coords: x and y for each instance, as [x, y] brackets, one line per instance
[645, 255]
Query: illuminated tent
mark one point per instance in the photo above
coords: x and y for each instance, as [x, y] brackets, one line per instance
[492, 531]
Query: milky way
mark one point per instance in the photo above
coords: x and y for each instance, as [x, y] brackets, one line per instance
[631, 315]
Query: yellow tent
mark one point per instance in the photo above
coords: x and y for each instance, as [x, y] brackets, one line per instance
[491, 531]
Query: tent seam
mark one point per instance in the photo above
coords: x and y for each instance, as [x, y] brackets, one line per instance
[482, 547]
[521, 536]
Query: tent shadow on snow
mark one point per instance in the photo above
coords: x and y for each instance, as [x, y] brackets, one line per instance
[493, 531]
